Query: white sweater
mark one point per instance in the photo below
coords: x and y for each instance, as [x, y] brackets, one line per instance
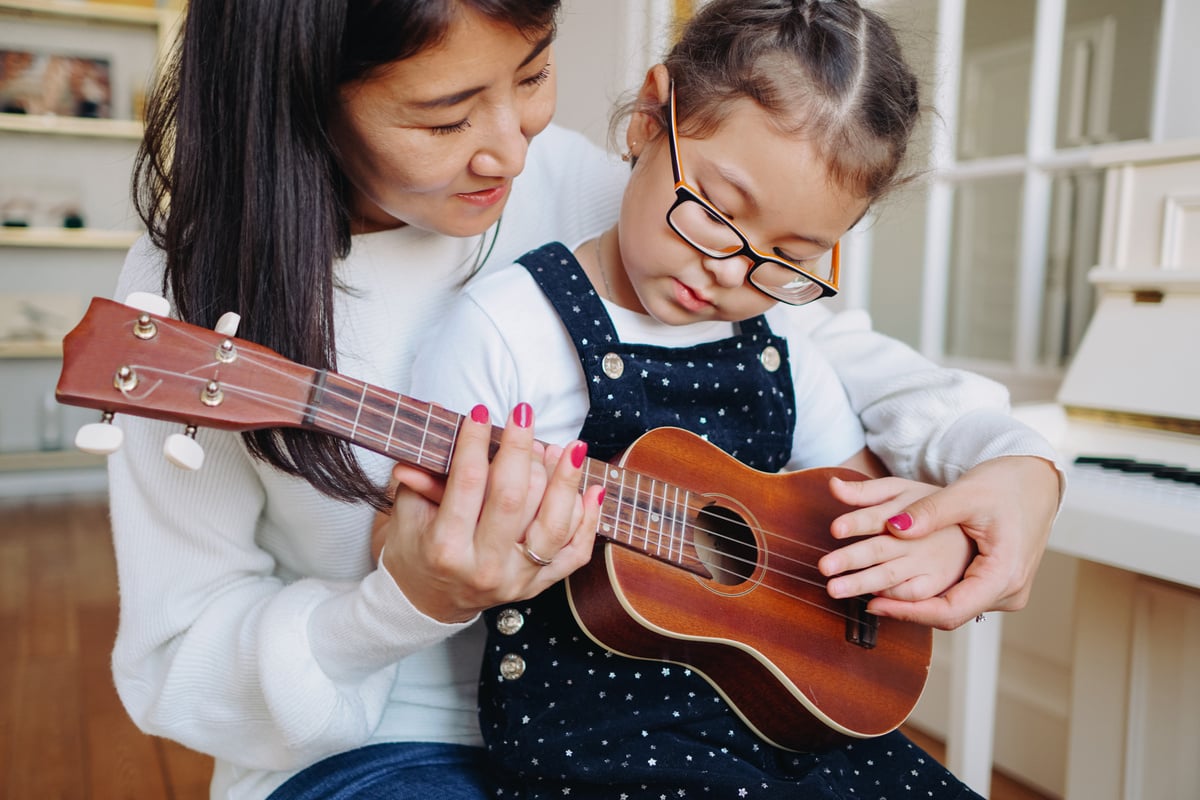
[254, 625]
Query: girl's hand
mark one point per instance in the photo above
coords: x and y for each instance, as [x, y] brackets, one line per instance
[884, 565]
[471, 541]
[1006, 505]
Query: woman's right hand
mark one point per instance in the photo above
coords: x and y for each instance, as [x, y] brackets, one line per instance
[458, 545]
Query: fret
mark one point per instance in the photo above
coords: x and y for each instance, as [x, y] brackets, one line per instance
[637, 497]
[444, 425]
[425, 431]
[663, 519]
[620, 495]
[362, 400]
[677, 524]
[387, 445]
[674, 505]
[655, 515]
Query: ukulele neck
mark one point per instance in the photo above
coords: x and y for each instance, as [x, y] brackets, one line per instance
[639, 512]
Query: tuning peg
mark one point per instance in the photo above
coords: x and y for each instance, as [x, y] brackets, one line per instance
[102, 438]
[227, 325]
[149, 302]
[182, 449]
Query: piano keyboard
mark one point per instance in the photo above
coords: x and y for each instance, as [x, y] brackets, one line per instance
[1177, 473]
[1134, 514]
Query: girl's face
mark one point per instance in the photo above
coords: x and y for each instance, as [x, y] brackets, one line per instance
[435, 140]
[773, 186]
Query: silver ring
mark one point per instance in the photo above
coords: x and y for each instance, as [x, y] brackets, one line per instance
[535, 558]
[980, 618]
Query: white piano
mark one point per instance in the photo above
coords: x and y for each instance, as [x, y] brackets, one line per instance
[1133, 392]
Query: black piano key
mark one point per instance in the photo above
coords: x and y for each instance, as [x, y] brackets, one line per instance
[1141, 467]
[1170, 472]
[1132, 466]
[1104, 462]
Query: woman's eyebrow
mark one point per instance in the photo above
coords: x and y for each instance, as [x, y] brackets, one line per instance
[453, 99]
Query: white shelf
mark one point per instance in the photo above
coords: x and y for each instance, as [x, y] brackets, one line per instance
[80, 10]
[80, 238]
[71, 126]
[48, 459]
[19, 349]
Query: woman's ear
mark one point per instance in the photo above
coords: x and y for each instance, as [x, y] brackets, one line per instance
[643, 127]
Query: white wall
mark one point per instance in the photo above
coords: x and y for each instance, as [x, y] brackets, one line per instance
[603, 50]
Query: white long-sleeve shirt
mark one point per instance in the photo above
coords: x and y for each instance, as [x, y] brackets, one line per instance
[509, 345]
[254, 625]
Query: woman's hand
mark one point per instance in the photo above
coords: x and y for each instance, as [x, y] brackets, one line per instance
[473, 540]
[1006, 505]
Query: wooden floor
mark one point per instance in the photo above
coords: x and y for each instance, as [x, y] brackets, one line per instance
[63, 733]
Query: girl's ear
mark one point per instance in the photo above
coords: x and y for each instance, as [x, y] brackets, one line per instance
[643, 127]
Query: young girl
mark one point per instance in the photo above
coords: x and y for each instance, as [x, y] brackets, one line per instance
[334, 170]
[764, 137]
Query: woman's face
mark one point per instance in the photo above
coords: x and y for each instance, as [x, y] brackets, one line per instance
[435, 140]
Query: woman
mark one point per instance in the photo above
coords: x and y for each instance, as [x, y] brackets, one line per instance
[333, 171]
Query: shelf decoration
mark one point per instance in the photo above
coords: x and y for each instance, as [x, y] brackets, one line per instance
[33, 324]
[57, 84]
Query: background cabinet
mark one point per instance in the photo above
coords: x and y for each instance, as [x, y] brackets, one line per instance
[58, 170]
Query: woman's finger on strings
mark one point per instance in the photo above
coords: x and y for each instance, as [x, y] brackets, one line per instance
[515, 483]
[467, 478]
[561, 506]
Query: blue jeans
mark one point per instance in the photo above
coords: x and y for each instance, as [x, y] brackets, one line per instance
[393, 771]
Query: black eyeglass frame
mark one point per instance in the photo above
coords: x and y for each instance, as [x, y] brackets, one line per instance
[685, 193]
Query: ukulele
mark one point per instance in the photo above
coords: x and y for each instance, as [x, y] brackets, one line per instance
[700, 560]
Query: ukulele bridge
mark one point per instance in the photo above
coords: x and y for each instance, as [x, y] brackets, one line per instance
[861, 627]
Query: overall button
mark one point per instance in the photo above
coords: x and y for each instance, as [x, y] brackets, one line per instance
[509, 621]
[612, 365]
[770, 358]
[512, 666]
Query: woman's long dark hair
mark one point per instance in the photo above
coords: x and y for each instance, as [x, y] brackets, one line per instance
[238, 181]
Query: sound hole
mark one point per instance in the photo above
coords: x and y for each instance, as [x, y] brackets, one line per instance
[726, 545]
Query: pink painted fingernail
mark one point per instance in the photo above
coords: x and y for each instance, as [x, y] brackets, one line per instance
[901, 522]
[600, 498]
[523, 415]
[578, 453]
[479, 413]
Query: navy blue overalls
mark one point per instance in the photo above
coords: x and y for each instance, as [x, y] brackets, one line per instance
[562, 716]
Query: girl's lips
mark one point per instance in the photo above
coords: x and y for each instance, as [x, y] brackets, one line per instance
[485, 197]
[688, 298]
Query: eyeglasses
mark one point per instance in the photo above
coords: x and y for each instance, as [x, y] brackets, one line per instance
[698, 223]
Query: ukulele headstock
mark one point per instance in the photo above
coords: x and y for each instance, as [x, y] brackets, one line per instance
[134, 359]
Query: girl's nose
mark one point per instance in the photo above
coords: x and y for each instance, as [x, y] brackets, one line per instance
[728, 272]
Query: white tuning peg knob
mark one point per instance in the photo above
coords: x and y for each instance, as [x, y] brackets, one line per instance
[149, 302]
[100, 438]
[182, 450]
[227, 325]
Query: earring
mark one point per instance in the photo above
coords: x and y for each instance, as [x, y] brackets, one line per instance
[628, 154]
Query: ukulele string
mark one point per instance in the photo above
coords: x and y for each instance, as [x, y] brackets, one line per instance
[700, 548]
[353, 429]
[348, 425]
[642, 499]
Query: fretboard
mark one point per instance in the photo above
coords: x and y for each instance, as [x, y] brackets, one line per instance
[640, 512]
